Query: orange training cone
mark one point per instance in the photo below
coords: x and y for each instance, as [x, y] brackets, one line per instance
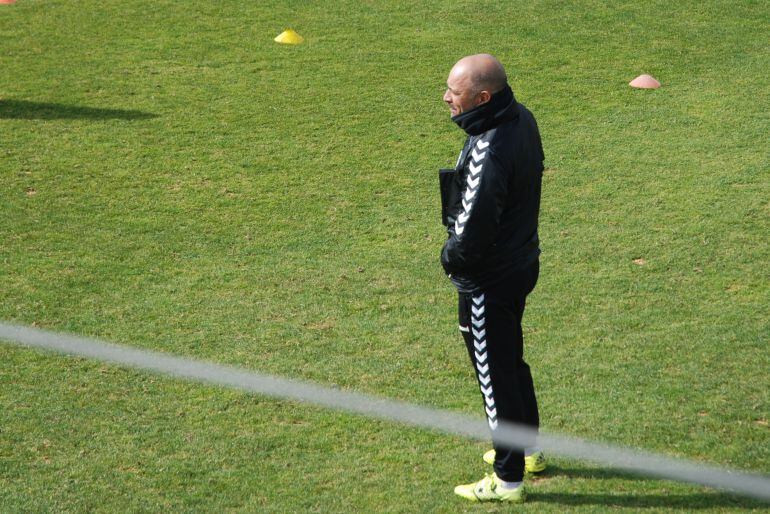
[289, 37]
[644, 82]
[7, 1]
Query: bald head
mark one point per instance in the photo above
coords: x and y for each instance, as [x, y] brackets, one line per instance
[483, 71]
[472, 81]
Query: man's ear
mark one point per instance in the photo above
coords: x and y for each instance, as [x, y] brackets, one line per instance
[484, 97]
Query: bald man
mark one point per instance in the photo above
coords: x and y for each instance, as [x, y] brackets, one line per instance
[490, 205]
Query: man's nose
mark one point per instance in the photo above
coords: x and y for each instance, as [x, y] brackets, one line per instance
[447, 97]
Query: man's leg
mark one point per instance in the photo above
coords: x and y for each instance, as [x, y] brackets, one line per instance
[488, 329]
[524, 375]
[504, 369]
[491, 326]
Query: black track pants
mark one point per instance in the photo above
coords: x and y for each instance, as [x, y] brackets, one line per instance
[490, 321]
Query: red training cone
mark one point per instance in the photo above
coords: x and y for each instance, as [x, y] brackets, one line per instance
[645, 82]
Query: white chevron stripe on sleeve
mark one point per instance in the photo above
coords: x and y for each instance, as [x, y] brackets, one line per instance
[475, 170]
[481, 144]
[478, 156]
[473, 183]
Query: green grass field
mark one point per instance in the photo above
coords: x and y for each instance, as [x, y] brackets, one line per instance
[172, 179]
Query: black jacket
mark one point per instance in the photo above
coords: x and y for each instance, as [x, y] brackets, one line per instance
[491, 199]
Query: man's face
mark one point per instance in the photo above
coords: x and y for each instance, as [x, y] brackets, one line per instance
[459, 94]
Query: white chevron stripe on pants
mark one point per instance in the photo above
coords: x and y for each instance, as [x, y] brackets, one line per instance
[480, 357]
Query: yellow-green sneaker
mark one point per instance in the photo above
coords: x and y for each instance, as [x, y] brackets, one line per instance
[534, 463]
[489, 489]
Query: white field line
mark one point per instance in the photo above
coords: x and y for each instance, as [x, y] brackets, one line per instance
[643, 463]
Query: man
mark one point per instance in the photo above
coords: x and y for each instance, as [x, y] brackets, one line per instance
[490, 205]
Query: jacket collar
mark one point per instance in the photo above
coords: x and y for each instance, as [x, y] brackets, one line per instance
[499, 108]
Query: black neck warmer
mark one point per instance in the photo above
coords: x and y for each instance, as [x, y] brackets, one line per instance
[498, 109]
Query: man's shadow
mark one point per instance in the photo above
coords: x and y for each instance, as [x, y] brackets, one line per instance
[25, 110]
[708, 499]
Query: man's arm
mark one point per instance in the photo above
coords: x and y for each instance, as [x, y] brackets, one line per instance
[484, 197]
